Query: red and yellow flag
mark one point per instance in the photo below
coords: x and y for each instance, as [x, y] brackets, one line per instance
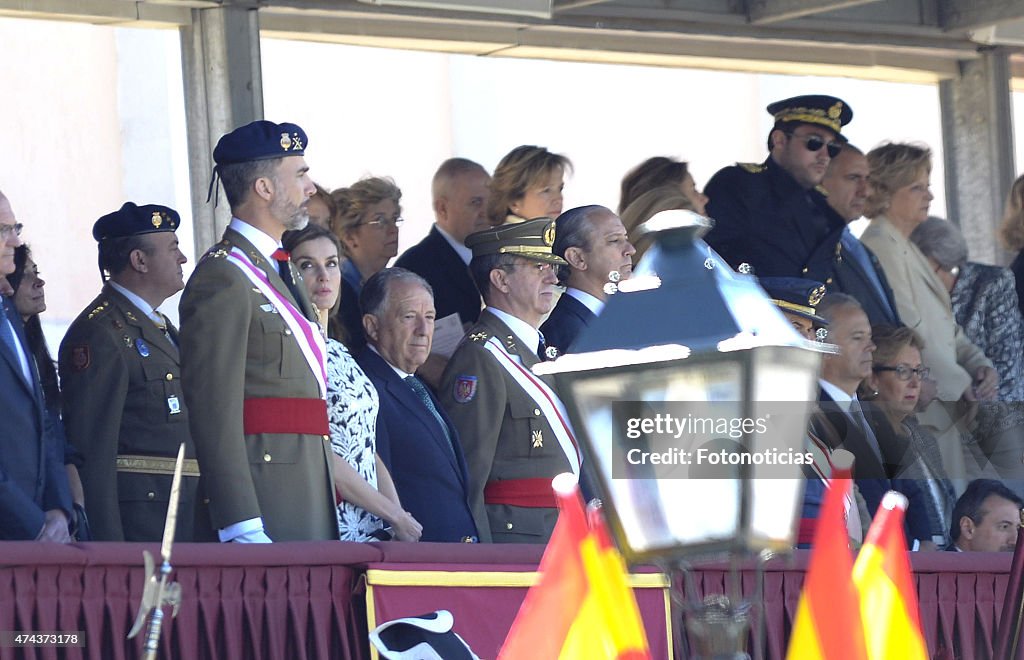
[827, 621]
[582, 606]
[888, 599]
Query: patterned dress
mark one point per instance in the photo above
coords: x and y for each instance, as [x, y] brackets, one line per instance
[985, 304]
[352, 406]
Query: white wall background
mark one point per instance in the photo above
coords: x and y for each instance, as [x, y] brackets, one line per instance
[96, 117]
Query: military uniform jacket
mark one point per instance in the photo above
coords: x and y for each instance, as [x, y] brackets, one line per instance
[121, 381]
[765, 219]
[235, 345]
[503, 432]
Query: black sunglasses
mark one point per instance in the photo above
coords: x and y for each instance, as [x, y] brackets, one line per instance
[815, 143]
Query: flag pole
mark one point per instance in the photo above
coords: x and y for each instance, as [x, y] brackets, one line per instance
[1008, 633]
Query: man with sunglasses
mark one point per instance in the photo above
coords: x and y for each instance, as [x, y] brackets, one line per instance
[773, 216]
[514, 430]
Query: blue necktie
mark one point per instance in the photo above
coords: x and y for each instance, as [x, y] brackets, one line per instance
[11, 341]
[857, 250]
[421, 391]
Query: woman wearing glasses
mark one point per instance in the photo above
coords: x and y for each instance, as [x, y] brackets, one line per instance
[527, 184]
[366, 222]
[894, 389]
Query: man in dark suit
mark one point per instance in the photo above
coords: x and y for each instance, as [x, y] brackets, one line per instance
[594, 243]
[460, 191]
[124, 408]
[772, 216]
[986, 518]
[856, 270]
[35, 500]
[841, 374]
[415, 438]
[252, 355]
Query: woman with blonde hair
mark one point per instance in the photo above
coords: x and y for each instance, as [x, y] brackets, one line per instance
[898, 203]
[1012, 233]
[366, 221]
[527, 184]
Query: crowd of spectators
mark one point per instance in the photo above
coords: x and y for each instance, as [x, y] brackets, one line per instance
[323, 391]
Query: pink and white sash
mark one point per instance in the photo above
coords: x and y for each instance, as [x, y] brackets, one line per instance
[306, 333]
[547, 401]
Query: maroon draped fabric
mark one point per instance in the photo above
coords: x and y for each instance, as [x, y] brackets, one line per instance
[960, 597]
[307, 600]
[286, 600]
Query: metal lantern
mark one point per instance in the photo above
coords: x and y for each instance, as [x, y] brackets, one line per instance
[685, 341]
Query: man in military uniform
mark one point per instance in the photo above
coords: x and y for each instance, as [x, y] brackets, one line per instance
[252, 357]
[513, 427]
[120, 372]
[772, 216]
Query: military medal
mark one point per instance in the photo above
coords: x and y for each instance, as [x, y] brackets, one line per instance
[551, 352]
[141, 347]
[538, 439]
[173, 405]
[269, 308]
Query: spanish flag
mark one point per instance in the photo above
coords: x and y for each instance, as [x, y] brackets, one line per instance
[888, 599]
[582, 606]
[827, 621]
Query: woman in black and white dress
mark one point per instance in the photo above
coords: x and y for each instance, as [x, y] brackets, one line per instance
[369, 500]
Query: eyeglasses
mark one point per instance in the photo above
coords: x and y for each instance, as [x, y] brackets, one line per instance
[954, 271]
[815, 143]
[903, 372]
[7, 230]
[386, 223]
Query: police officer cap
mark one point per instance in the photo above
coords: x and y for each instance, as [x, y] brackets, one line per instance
[133, 220]
[531, 239]
[827, 111]
[795, 295]
[260, 140]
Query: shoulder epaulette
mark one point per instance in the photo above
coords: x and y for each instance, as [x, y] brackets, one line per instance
[218, 251]
[483, 335]
[821, 189]
[753, 168]
[104, 306]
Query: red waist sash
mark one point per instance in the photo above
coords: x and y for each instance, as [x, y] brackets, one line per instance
[534, 493]
[285, 415]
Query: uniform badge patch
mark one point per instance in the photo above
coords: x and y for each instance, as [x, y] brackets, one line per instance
[465, 389]
[537, 438]
[141, 347]
[80, 357]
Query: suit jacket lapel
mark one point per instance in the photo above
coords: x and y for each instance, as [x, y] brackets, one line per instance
[452, 262]
[411, 401]
[34, 387]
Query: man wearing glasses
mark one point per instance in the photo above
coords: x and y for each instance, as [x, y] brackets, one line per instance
[772, 216]
[35, 500]
[514, 430]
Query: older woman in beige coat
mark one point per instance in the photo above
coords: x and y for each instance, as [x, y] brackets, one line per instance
[897, 204]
